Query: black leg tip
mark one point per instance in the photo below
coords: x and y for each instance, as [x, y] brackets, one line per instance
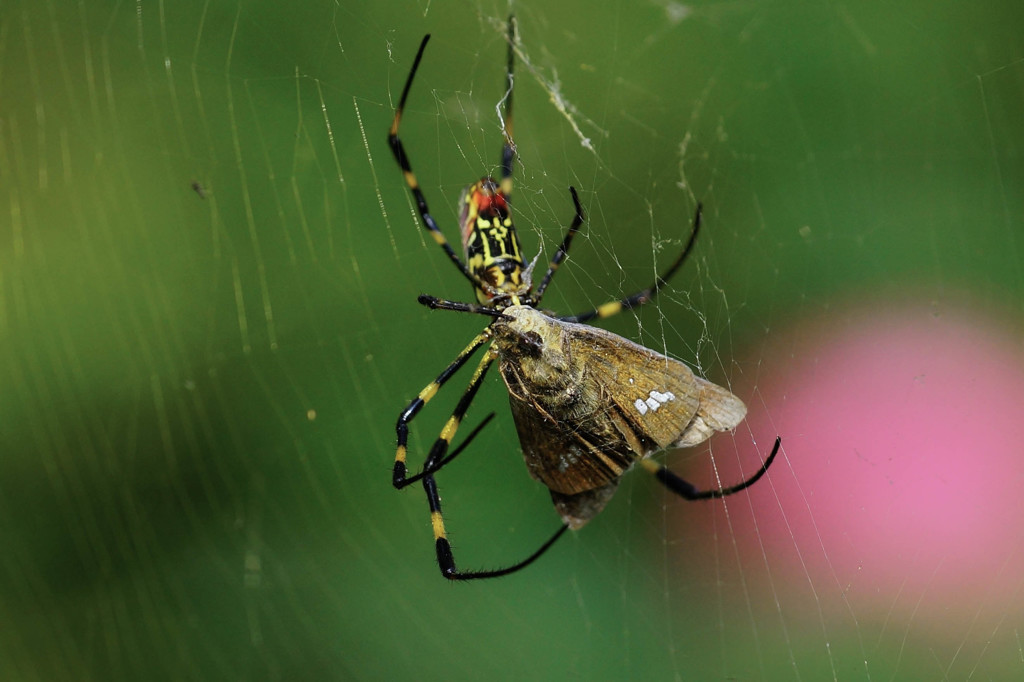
[398, 475]
[445, 559]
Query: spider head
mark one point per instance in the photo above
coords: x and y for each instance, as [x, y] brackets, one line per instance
[490, 242]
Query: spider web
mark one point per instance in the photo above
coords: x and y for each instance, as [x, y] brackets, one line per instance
[209, 266]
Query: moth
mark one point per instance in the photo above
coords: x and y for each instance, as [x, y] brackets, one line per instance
[588, 404]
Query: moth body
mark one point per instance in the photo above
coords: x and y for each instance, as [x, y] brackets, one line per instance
[588, 404]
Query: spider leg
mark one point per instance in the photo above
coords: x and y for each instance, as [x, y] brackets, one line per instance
[645, 295]
[508, 150]
[435, 303]
[454, 453]
[688, 491]
[563, 248]
[410, 178]
[437, 452]
[437, 459]
[446, 559]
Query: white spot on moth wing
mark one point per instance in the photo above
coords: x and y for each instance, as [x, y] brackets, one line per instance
[656, 400]
[663, 397]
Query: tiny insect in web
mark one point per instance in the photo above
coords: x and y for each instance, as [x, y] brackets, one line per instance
[587, 404]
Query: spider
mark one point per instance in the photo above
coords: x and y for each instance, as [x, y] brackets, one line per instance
[587, 403]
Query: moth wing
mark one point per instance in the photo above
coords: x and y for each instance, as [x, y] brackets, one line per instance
[569, 456]
[719, 410]
[659, 398]
[653, 396]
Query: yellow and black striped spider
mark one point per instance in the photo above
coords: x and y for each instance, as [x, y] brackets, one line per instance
[587, 403]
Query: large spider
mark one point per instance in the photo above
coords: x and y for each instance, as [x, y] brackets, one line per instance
[587, 403]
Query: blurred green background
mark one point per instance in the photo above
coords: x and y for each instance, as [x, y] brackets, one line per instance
[208, 276]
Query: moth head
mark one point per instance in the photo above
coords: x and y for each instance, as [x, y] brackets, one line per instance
[532, 344]
[533, 340]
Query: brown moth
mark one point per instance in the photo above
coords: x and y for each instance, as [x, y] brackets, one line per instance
[588, 404]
